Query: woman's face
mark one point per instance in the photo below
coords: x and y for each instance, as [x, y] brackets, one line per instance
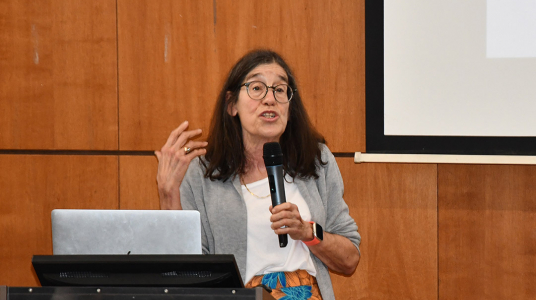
[262, 120]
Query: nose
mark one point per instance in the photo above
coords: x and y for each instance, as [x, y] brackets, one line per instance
[269, 99]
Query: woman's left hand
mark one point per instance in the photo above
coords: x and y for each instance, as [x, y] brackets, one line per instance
[336, 251]
[286, 219]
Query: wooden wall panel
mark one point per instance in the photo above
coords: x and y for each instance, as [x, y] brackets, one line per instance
[167, 69]
[137, 182]
[395, 208]
[174, 56]
[58, 75]
[487, 235]
[31, 187]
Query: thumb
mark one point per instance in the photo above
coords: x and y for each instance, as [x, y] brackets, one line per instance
[158, 155]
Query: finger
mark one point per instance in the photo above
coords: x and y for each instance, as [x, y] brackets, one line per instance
[195, 144]
[286, 214]
[195, 153]
[176, 133]
[184, 137]
[191, 146]
[279, 224]
[281, 207]
[158, 155]
[285, 230]
[286, 225]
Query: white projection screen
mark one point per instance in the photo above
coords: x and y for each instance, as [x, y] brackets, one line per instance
[451, 76]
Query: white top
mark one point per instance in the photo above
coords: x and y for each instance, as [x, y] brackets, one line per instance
[263, 252]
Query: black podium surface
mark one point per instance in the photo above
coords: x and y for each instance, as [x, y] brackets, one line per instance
[200, 271]
[135, 277]
[131, 293]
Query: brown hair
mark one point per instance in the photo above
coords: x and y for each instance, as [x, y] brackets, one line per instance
[299, 142]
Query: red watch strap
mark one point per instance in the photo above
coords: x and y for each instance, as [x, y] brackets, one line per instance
[314, 241]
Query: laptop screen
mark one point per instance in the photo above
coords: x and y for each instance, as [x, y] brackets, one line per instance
[88, 231]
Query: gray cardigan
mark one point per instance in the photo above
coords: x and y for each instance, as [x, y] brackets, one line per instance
[224, 215]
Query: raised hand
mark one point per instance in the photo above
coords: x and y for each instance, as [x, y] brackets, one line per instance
[173, 161]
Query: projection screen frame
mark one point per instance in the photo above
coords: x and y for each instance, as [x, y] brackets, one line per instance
[378, 142]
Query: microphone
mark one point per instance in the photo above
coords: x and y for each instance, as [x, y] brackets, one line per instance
[273, 160]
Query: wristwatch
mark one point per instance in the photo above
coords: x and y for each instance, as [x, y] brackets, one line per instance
[318, 234]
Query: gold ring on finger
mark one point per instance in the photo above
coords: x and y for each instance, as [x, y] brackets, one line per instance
[187, 150]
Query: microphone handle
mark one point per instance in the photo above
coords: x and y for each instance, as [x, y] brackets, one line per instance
[277, 192]
[283, 240]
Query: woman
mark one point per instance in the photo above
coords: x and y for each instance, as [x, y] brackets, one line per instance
[227, 183]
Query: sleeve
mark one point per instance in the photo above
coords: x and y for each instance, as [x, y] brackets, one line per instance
[338, 219]
[192, 199]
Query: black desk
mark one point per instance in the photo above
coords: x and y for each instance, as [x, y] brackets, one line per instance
[131, 293]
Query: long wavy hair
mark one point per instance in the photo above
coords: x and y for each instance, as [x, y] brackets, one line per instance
[299, 142]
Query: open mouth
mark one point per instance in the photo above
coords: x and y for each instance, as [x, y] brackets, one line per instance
[269, 115]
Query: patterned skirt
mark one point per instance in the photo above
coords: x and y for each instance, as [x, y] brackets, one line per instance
[295, 285]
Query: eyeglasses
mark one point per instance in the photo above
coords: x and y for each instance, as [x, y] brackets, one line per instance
[257, 90]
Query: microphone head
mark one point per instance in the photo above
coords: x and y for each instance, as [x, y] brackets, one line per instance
[272, 154]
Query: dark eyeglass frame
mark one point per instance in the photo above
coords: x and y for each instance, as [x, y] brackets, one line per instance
[292, 91]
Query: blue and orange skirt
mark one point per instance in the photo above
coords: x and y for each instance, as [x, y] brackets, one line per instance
[295, 285]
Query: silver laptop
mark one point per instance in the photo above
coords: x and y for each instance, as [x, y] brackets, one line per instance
[88, 231]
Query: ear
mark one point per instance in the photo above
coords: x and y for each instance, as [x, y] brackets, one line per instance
[231, 107]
